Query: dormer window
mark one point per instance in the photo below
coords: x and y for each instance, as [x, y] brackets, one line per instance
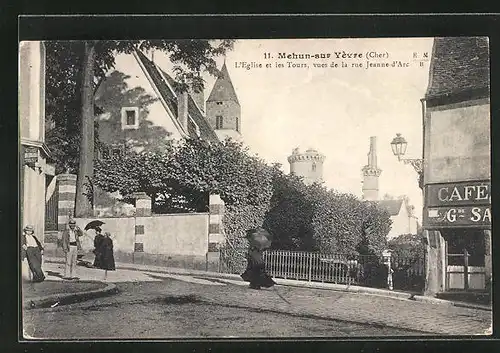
[130, 118]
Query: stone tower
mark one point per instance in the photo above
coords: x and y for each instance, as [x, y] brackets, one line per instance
[308, 165]
[223, 108]
[371, 173]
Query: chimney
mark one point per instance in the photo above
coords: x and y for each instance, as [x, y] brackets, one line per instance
[199, 99]
[182, 109]
[372, 155]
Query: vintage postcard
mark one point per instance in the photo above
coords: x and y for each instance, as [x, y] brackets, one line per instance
[255, 188]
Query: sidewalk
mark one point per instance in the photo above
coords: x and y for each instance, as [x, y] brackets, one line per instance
[92, 274]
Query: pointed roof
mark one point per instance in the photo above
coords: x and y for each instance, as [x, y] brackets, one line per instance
[164, 83]
[392, 206]
[223, 89]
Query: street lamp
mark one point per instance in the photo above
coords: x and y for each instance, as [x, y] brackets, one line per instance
[398, 146]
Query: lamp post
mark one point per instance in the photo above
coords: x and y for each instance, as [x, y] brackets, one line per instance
[398, 146]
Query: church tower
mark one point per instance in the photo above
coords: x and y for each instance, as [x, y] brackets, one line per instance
[371, 173]
[308, 165]
[223, 108]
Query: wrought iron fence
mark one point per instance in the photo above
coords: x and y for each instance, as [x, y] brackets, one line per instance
[312, 266]
[409, 273]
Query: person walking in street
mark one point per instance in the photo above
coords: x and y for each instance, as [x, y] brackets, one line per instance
[33, 251]
[107, 257]
[71, 244]
[255, 272]
[97, 247]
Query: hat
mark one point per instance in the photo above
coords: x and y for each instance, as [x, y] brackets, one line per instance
[72, 221]
[29, 229]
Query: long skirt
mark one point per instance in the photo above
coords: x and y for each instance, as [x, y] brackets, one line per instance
[257, 276]
[97, 259]
[34, 256]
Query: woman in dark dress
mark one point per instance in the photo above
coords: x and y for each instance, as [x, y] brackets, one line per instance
[255, 272]
[97, 246]
[106, 250]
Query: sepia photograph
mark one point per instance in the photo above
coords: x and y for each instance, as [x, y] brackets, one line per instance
[255, 188]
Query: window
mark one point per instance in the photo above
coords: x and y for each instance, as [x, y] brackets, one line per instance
[219, 103]
[219, 122]
[314, 167]
[238, 124]
[130, 118]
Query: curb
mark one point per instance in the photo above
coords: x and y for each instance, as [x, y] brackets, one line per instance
[70, 298]
[302, 284]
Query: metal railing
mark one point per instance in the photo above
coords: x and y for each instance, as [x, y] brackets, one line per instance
[409, 272]
[308, 266]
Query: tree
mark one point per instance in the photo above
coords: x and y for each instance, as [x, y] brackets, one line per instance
[96, 58]
[291, 212]
[407, 246]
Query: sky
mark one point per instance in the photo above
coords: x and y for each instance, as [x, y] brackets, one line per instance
[334, 110]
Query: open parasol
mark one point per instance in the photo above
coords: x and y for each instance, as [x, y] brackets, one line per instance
[259, 238]
[94, 224]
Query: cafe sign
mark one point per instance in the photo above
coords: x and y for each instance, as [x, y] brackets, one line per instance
[458, 216]
[464, 204]
[459, 194]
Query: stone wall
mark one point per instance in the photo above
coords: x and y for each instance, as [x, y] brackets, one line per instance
[188, 240]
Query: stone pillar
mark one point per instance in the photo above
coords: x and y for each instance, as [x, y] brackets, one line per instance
[216, 236]
[142, 204]
[142, 209]
[487, 258]
[435, 271]
[66, 184]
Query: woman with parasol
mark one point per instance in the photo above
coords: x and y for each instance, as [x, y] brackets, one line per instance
[96, 225]
[259, 239]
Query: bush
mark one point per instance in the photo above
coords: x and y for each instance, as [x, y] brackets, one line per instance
[312, 218]
[407, 246]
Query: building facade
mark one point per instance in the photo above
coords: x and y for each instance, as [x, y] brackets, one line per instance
[403, 220]
[457, 172]
[308, 165]
[36, 174]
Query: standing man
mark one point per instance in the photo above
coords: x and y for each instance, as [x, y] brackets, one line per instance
[71, 243]
[33, 250]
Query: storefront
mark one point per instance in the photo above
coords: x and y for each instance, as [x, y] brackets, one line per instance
[457, 166]
[461, 213]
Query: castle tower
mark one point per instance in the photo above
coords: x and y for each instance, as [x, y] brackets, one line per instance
[223, 108]
[371, 173]
[308, 165]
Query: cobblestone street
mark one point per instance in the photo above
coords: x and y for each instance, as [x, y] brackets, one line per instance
[166, 306]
